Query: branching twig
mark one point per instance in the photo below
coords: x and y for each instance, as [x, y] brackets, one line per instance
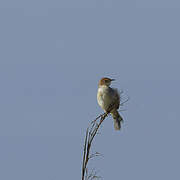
[90, 134]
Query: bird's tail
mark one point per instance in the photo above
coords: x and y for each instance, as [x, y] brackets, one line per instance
[117, 119]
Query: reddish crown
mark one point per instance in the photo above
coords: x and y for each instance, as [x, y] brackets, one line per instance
[105, 81]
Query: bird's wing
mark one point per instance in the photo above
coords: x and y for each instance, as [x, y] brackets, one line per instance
[116, 97]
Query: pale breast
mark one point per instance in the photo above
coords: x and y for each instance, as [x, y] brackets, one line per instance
[104, 97]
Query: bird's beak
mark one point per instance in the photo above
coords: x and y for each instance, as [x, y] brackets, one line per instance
[112, 79]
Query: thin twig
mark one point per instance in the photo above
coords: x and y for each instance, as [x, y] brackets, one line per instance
[121, 104]
[90, 134]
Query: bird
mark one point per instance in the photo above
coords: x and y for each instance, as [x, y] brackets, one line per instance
[109, 100]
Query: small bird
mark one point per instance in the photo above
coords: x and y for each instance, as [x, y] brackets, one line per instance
[109, 100]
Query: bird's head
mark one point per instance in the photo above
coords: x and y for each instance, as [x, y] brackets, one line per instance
[105, 81]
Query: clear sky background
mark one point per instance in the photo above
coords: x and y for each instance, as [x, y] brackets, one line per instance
[52, 55]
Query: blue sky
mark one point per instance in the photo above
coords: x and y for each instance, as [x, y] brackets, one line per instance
[53, 54]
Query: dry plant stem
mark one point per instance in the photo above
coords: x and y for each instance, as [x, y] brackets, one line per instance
[90, 134]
